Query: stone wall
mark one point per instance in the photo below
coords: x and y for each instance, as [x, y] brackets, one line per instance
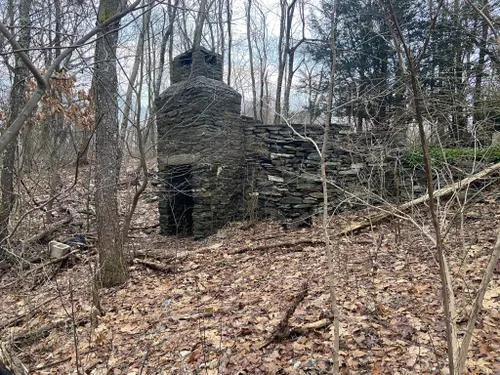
[285, 170]
[366, 168]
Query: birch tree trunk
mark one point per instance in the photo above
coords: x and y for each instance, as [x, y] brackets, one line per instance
[229, 6]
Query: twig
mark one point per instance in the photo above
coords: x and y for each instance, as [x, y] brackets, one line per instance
[53, 364]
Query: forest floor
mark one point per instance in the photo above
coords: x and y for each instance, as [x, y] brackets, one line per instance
[210, 306]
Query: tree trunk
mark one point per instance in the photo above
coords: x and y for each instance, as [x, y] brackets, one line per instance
[448, 297]
[131, 82]
[478, 114]
[229, 39]
[250, 56]
[291, 55]
[17, 100]
[198, 58]
[222, 34]
[332, 277]
[113, 268]
[281, 63]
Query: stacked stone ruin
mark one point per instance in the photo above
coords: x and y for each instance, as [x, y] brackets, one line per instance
[201, 154]
[217, 166]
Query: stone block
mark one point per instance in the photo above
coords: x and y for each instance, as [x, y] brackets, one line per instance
[270, 193]
[301, 206]
[58, 249]
[318, 195]
[282, 155]
[291, 200]
[347, 172]
[357, 165]
[179, 159]
[311, 200]
[308, 186]
[275, 178]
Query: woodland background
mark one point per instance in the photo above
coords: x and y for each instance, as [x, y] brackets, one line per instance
[78, 137]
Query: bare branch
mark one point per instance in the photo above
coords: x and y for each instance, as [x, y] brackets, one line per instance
[42, 81]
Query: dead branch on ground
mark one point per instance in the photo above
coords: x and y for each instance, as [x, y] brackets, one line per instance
[155, 266]
[25, 316]
[282, 330]
[49, 230]
[392, 210]
[307, 328]
[309, 241]
[27, 338]
[48, 263]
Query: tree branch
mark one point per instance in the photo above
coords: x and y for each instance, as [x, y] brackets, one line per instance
[42, 81]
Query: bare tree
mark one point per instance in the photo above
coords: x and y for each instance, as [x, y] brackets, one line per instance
[282, 48]
[329, 253]
[200, 23]
[140, 140]
[113, 267]
[261, 46]
[17, 102]
[42, 79]
[229, 15]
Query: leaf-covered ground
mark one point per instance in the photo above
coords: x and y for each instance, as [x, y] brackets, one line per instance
[214, 309]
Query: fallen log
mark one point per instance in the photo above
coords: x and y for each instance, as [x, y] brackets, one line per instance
[267, 246]
[39, 237]
[388, 211]
[156, 266]
[28, 337]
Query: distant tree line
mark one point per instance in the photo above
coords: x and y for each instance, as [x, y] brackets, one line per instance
[454, 48]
